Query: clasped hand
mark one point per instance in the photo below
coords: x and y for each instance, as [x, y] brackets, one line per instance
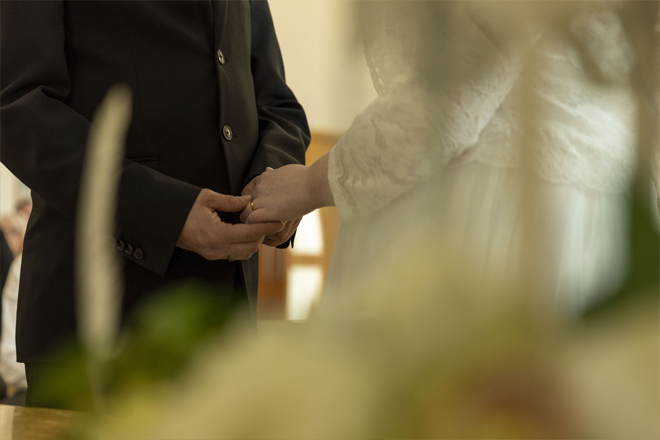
[207, 235]
[271, 207]
[275, 196]
[286, 194]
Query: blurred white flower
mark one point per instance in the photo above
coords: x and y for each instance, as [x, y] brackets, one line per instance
[99, 291]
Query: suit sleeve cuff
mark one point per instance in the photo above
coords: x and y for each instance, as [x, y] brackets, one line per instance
[152, 211]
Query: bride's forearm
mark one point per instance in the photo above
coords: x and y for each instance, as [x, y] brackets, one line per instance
[317, 181]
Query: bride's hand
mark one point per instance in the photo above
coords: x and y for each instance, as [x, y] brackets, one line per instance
[283, 194]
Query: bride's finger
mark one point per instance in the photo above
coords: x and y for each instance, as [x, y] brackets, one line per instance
[249, 209]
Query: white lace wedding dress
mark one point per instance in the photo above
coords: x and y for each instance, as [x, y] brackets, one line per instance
[457, 161]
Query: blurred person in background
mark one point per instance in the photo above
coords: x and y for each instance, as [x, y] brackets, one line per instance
[507, 143]
[24, 207]
[11, 371]
[6, 258]
[211, 110]
[12, 374]
[13, 227]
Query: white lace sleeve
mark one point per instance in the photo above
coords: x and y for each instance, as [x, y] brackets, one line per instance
[404, 135]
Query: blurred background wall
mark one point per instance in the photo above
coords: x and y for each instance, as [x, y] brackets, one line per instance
[324, 61]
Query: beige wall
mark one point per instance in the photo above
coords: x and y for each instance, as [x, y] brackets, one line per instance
[324, 60]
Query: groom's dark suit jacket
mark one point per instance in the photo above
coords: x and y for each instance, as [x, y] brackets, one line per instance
[197, 69]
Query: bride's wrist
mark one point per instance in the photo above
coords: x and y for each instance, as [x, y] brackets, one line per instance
[317, 180]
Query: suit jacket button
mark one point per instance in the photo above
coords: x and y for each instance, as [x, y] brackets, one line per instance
[129, 249]
[221, 57]
[121, 245]
[227, 133]
[138, 254]
[112, 241]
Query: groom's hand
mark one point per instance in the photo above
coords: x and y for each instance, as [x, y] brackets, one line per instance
[207, 235]
[280, 237]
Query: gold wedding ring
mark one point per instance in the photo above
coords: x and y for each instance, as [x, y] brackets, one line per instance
[231, 258]
[252, 205]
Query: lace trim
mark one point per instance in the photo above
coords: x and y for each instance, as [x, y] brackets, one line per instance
[586, 135]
